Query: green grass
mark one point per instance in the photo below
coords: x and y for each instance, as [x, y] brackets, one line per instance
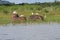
[53, 13]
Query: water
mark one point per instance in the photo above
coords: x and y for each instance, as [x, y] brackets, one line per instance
[30, 32]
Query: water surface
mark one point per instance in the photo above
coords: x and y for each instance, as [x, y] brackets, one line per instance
[30, 32]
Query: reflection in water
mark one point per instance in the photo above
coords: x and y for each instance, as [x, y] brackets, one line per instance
[30, 32]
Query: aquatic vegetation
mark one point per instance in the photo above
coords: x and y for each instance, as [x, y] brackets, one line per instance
[52, 13]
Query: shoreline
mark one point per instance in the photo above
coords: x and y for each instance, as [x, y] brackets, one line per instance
[31, 23]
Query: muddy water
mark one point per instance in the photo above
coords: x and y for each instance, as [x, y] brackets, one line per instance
[30, 32]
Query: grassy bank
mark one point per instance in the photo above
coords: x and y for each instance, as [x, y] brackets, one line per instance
[52, 13]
